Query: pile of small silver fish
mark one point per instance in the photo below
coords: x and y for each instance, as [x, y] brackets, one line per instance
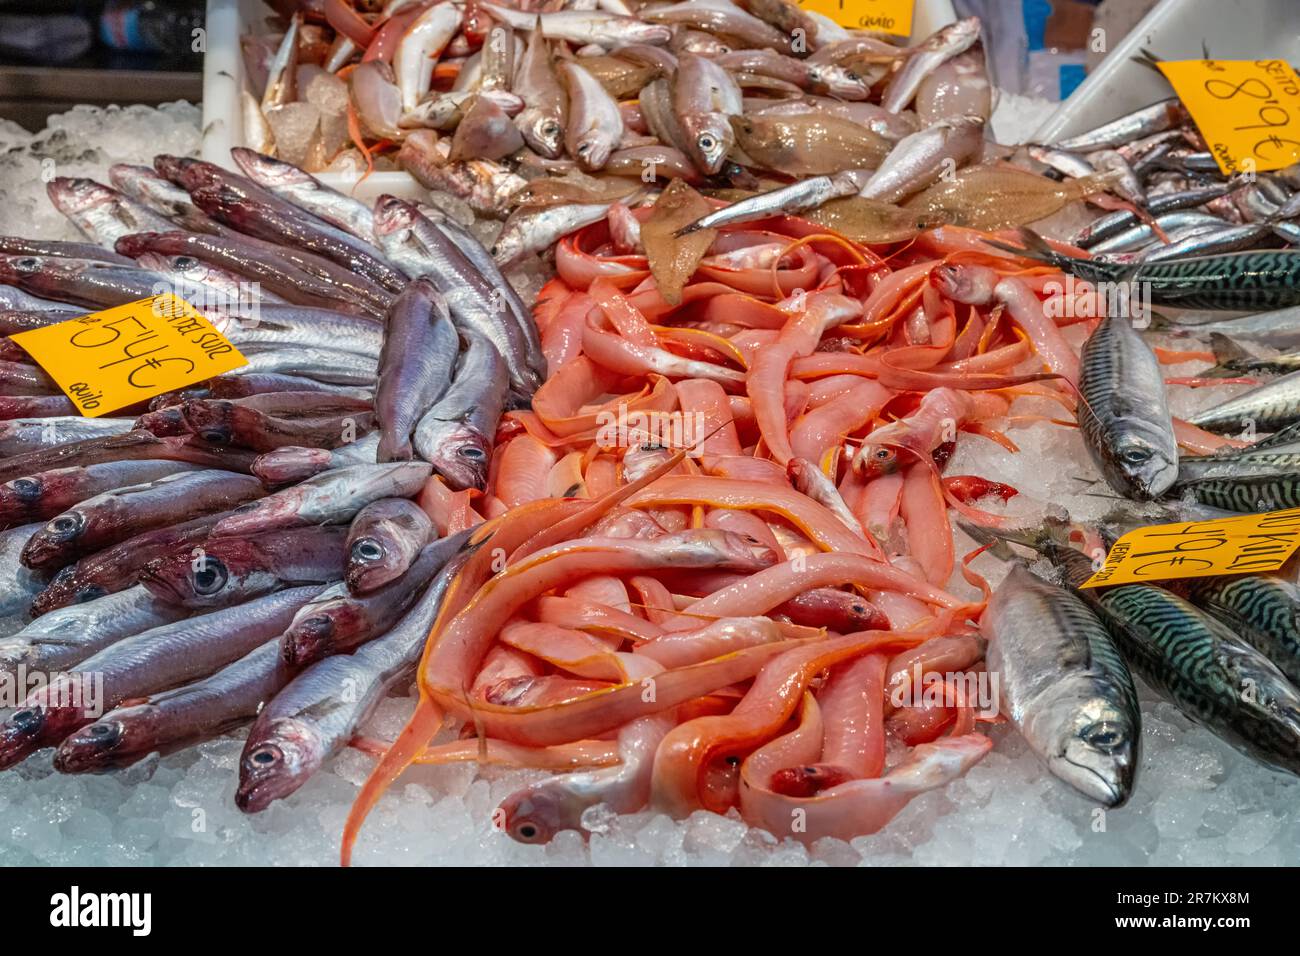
[181, 567]
[554, 111]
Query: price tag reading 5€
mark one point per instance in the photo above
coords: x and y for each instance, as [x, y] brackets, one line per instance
[882, 16]
[1247, 110]
[115, 358]
[1249, 544]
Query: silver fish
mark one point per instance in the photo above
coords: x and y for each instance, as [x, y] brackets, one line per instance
[925, 58]
[1155, 118]
[1064, 685]
[457, 433]
[920, 159]
[1123, 412]
[383, 540]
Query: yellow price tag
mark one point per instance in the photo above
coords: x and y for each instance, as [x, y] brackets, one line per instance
[1247, 110]
[882, 16]
[115, 358]
[1250, 544]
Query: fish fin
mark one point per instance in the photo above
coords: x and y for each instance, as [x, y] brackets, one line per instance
[1035, 247]
[1225, 350]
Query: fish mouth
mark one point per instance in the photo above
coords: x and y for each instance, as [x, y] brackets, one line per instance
[275, 766]
[1088, 781]
[21, 735]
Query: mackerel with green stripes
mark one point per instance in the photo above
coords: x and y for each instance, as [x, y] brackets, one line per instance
[1259, 481]
[1064, 685]
[1199, 664]
[1267, 408]
[1122, 411]
[1235, 281]
[1262, 609]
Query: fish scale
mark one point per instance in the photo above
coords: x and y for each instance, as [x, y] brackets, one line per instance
[1261, 609]
[1123, 414]
[1207, 671]
[1064, 685]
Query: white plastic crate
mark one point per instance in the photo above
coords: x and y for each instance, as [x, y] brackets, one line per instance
[223, 79]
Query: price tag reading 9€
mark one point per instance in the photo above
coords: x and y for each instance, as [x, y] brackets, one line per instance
[1249, 544]
[1247, 110]
[115, 358]
[881, 16]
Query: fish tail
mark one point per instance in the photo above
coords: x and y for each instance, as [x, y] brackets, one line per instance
[1035, 247]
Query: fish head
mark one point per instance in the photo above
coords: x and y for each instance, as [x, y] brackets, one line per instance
[840, 82]
[277, 762]
[13, 269]
[876, 458]
[71, 196]
[114, 740]
[20, 496]
[211, 420]
[206, 577]
[21, 735]
[968, 284]
[371, 563]
[711, 548]
[542, 131]
[709, 137]
[308, 639]
[1140, 462]
[537, 814]
[266, 170]
[164, 422]
[66, 587]
[287, 466]
[592, 150]
[462, 458]
[392, 215]
[54, 543]
[1095, 750]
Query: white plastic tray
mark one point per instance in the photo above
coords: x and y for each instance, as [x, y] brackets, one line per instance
[1175, 30]
[223, 79]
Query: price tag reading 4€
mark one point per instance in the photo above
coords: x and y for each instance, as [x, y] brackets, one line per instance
[115, 358]
[1247, 110]
[1250, 544]
[881, 16]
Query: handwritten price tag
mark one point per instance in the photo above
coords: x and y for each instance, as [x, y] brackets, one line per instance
[1251, 544]
[115, 358]
[882, 16]
[1247, 110]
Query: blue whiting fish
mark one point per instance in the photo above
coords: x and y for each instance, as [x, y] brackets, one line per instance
[306, 191]
[41, 495]
[415, 366]
[337, 620]
[18, 583]
[317, 714]
[145, 663]
[1064, 685]
[64, 637]
[1123, 412]
[236, 568]
[456, 435]
[18, 246]
[293, 464]
[410, 237]
[114, 516]
[21, 435]
[91, 283]
[383, 540]
[103, 215]
[327, 498]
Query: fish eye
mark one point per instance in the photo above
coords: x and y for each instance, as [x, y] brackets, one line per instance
[185, 262]
[527, 832]
[367, 550]
[211, 577]
[471, 451]
[27, 719]
[26, 487]
[1135, 455]
[706, 141]
[265, 756]
[551, 128]
[65, 524]
[27, 264]
[1104, 736]
[214, 436]
[883, 454]
[105, 733]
